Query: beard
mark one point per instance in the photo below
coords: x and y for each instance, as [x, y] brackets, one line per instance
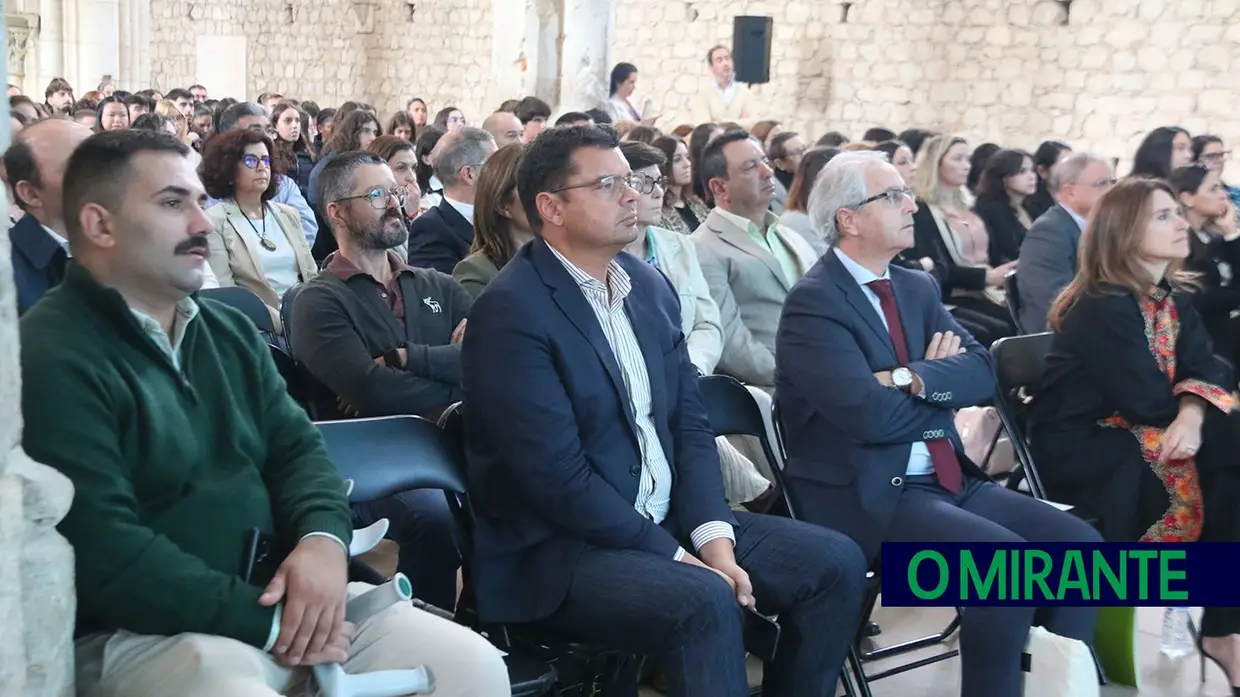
[388, 232]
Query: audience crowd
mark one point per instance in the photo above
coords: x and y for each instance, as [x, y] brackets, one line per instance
[563, 286]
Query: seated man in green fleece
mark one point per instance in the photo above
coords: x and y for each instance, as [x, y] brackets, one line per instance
[169, 417]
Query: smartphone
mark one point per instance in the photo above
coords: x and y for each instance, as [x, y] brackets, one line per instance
[262, 558]
[761, 635]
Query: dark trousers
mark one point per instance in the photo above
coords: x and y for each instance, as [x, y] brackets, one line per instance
[992, 638]
[422, 526]
[687, 616]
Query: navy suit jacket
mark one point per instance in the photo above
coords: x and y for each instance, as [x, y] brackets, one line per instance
[846, 435]
[34, 270]
[552, 448]
[439, 238]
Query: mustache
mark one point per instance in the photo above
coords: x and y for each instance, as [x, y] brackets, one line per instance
[192, 244]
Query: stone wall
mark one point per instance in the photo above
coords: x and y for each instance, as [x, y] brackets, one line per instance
[1002, 70]
[336, 50]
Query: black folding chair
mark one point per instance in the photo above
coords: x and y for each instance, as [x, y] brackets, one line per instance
[1012, 292]
[286, 311]
[735, 409]
[1019, 364]
[385, 456]
[582, 670]
[250, 305]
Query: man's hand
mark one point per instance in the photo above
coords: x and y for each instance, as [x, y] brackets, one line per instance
[720, 555]
[313, 583]
[943, 345]
[884, 378]
[347, 409]
[336, 650]
[458, 334]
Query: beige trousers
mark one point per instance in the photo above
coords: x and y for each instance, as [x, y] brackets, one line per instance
[122, 664]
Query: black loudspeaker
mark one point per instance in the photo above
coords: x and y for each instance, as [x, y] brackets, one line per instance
[751, 48]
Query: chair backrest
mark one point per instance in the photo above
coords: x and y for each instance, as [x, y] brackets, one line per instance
[452, 422]
[246, 301]
[1012, 291]
[1020, 362]
[387, 455]
[736, 410]
[286, 311]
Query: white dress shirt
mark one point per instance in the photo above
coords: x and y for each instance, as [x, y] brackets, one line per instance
[919, 462]
[654, 489]
[465, 209]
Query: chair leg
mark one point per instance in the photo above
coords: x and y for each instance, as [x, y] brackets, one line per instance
[858, 673]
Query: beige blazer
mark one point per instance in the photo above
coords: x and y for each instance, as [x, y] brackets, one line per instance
[708, 107]
[749, 287]
[699, 315]
[235, 254]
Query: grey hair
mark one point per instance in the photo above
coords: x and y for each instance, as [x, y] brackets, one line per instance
[467, 146]
[336, 179]
[230, 116]
[1070, 169]
[840, 184]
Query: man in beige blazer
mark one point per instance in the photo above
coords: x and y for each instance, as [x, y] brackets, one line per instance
[722, 98]
[749, 262]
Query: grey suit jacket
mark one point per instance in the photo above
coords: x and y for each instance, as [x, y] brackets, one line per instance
[1047, 264]
[749, 287]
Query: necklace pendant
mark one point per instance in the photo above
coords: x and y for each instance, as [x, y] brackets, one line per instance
[268, 245]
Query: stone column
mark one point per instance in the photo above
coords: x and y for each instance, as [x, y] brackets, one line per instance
[91, 42]
[37, 600]
[587, 36]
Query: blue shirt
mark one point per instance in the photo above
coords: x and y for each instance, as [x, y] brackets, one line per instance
[919, 462]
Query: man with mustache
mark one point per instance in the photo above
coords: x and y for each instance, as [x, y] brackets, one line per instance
[385, 338]
[171, 420]
[749, 261]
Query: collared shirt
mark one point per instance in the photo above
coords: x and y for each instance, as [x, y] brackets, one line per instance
[768, 238]
[59, 239]
[169, 342]
[726, 94]
[340, 267]
[1080, 222]
[654, 489]
[465, 209]
[919, 456]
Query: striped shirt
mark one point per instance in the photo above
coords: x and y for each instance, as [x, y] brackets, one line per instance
[654, 488]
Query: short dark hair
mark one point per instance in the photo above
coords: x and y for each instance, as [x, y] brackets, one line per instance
[779, 144]
[1200, 142]
[532, 108]
[311, 108]
[710, 55]
[336, 178]
[878, 134]
[324, 116]
[20, 165]
[138, 100]
[1188, 179]
[599, 116]
[714, 164]
[229, 117]
[178, 93]
[425, 145]
[641, 155]
[914, 137]
[152, 122]
[196, 87]
[58, 84]
[224, 152]
[572, 117]
[548, 163]
[100, 169]
[833, 139]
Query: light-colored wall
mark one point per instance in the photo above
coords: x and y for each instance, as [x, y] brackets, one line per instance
[1001, 70]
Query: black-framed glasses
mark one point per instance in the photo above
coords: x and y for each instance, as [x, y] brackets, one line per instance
[378, 197]
[893, 196]
[252, 161]
[610, 185]
[646, 183]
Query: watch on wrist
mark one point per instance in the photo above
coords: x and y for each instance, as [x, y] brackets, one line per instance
[392, 359]
[902, 379]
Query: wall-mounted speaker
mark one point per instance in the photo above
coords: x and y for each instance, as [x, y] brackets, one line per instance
[751, 48]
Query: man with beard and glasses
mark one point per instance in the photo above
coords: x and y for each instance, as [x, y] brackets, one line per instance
[385, 338]
[180, 439]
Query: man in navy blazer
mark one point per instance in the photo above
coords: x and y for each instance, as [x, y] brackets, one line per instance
[601, 512]
[35, 167]
[441, 237]
[869, 370]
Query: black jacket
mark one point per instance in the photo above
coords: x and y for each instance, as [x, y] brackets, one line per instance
[1004, 230]
[439, 238]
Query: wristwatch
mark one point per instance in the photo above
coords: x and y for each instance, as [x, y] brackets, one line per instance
[902, 379]
[392, 359]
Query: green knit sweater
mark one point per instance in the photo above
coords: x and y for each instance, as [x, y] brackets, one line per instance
[171, 467]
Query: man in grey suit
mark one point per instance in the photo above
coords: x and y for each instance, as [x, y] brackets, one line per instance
[1048, 254]
[749, 261]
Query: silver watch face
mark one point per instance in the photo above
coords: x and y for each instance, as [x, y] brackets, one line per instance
[902, 377]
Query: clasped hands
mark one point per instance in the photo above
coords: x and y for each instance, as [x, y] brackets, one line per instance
[719, 556]
[313, 585]
[942, 345]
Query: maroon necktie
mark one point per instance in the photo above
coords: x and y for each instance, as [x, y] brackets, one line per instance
[942, 454]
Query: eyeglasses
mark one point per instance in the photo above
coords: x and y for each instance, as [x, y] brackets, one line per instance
[893, 195]
[1217, 156]
[610, 185]
[252, 161]
[646, 183]
[1099, 184]
[379, 197]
